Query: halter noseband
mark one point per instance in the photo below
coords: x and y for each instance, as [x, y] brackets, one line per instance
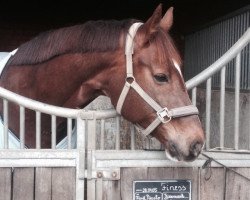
[163, 114]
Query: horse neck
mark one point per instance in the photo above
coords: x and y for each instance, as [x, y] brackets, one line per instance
[88, 76]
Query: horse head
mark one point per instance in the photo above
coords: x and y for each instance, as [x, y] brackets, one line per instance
[154, 95]
[137, 67]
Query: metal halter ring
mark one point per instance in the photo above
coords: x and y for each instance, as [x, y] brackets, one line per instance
[130, 79]
[164, 115]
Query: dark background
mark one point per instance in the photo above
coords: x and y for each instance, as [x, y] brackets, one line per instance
[21, 20]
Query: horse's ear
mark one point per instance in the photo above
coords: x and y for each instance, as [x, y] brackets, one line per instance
[150, 26]
[167, 20]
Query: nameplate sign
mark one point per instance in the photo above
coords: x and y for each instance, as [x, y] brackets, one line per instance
[162, 190]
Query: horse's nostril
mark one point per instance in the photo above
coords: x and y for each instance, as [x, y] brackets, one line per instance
[195, 148]
[173, 149]
[182, 153]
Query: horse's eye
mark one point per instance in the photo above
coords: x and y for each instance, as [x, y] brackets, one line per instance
[161, 78]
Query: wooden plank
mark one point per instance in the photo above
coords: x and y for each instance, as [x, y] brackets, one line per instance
[5, 183]
[111, 190]
[177, 173]
[161, 173]
[91, 189]
[128, 175]
[212, 184]
[23, 184]
[63, 183]
[191, 174]
[99, 189]
[238, 187]
[43, 183]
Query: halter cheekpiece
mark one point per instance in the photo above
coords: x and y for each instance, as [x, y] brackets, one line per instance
[164, 115]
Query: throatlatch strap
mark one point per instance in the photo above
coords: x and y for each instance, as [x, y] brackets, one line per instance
[122, 97]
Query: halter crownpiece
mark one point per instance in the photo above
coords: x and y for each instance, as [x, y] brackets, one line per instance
[164, 115]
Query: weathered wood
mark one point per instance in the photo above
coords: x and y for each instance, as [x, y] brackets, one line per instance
[238, 187]
[128, 175]
[177, 173]
[91, 189]
[5, 183]
[161, 173]
[191, 174]
[212, 184]
[59, 183]
[111, 190]
[63, 183]
[43, 183]
[23, 184]
[99, 189]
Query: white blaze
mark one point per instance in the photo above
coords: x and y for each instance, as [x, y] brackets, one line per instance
[177, 66]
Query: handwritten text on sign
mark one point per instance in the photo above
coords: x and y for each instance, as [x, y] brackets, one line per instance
[162, 190]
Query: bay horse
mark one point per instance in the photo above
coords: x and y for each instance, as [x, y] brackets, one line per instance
[136, 65]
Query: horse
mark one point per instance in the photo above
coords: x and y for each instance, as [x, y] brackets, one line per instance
[135, 64]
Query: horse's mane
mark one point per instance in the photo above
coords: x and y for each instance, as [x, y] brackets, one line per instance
[92, 36]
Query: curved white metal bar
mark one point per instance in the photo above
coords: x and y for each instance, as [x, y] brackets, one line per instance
[221, 62]
[55, 110]
[37, 106]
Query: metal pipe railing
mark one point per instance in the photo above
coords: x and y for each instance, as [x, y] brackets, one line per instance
[207, 75]
[132, 137]
[221, 62]
[117, 136]
[38, 130]
[53, 131]
[54, 111]
[69, 132]
[208, 112]
[6, 123]
[237, 101]
[222, 106]
[102, 134]
[50, 109]
[194, 96]
[22, 127]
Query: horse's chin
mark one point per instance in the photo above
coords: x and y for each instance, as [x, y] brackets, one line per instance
[178, 158]
[171, 157]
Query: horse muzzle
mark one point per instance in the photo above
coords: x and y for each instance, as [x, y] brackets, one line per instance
[175, 152]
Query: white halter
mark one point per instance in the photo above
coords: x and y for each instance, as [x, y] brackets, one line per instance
[163, 114]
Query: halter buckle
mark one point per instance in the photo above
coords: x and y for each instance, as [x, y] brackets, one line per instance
[164, 115]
